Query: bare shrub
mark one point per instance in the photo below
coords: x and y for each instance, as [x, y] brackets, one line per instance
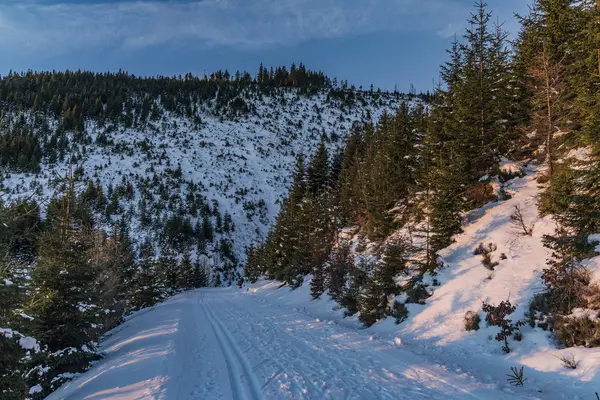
[518, 221]
[472, 320]
[480, 194]
[488, 263]
[486, 255]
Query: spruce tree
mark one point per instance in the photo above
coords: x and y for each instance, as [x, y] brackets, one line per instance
[186, 276]
[63, 305]
[317, 283]
[373, 301]
[146, 289]
[338, 270]
[317, 173]
[201, 274]
[65, 300]
[167, 270]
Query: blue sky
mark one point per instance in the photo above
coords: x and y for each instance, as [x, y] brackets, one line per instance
[384, 42]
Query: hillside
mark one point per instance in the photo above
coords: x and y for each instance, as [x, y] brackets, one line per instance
[295, 237]
[230, 167]
[279, 343]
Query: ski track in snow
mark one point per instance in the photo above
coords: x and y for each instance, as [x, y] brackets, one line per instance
[223, 344]
[234, 358]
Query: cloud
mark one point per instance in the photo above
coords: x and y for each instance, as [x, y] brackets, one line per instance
[55, 27]
[451, 30]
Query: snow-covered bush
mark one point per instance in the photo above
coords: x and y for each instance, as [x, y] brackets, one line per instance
[582, 328]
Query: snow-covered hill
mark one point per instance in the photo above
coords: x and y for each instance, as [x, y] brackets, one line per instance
[268, 341]
[436, 329]
[240, 164]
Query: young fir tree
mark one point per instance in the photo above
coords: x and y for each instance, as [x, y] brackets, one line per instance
[186, 277]
[146, 289]
[167, 271]
[113, 259]
[65, 301]
[20, 224]
[566, 278]
[337, 272]
[317, 283]
[318, 241]
[373, 301]
[12, 384]
[317, 173]
[201, 274]
[356, 277]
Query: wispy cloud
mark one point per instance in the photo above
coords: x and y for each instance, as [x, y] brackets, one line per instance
[55, 27]
[451, 30]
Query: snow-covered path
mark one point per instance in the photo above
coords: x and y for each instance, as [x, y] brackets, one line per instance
[224, 344]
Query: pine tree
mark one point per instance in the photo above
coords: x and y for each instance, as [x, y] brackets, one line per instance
[317, 283]
[167, 270]
[201, 274]
[317, 174]
[12, 384]
[373, 301]
[65, 301]
[338, 269]
[186, 275]
[146, 289]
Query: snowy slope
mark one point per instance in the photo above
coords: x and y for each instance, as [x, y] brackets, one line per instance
[436, 330]
[236, 160]
[267, 341]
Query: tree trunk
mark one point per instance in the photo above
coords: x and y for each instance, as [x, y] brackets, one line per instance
[549, 112]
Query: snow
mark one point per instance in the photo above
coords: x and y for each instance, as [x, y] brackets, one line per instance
[35, 389]
[266, 341]
[26, 342]
[29, 343]
[436, 330]
[509, 166]
[6, 332]
[592, 315]
[227, 343]
[235, 161]
[23, 315]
